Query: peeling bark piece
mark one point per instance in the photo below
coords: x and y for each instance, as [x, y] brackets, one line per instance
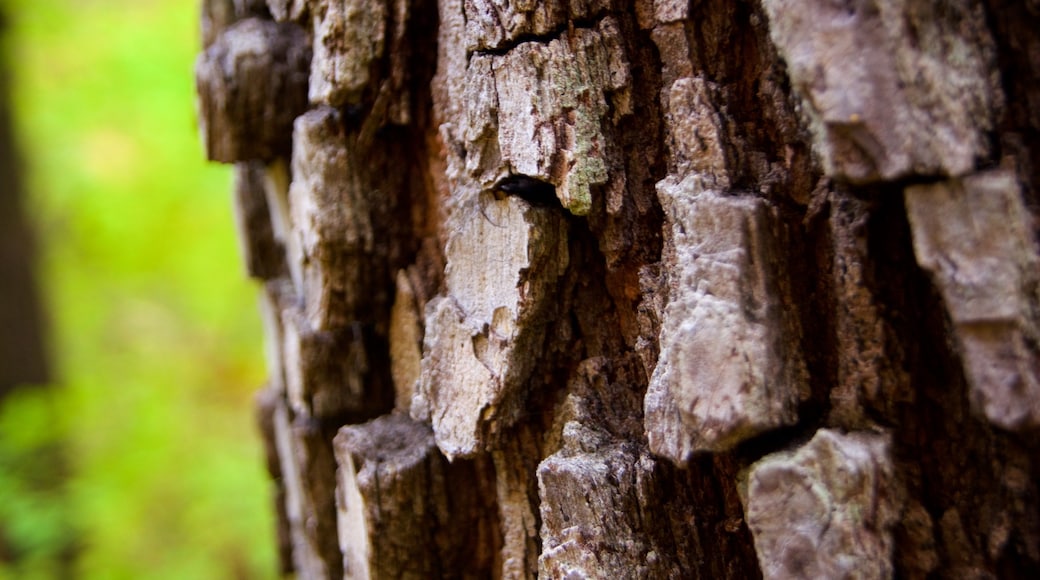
[405, 343]
[892, 88]
[331, 216]
[974, 236]
[455, 387]
[402, 511]
[327, 372]
[730, 365]
[349, 39]
[544, 111]
[493, 24]
[825, 510]
[252, 83]
[309, 472]
[484, 337]
[262, 254]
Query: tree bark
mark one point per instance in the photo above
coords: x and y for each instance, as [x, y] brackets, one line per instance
[654, 289]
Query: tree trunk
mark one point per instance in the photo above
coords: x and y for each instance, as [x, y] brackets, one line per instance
[23, 358]
[651, 289]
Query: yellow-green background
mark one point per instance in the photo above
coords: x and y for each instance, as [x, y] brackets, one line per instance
[155, 338]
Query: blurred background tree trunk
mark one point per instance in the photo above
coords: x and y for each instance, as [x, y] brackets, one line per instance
[24, 361]
[641, 289]
[22, 356]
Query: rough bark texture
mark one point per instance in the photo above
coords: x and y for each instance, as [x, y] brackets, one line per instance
[659, 289]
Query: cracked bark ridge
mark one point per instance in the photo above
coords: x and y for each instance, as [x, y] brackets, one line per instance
[261, 251]
[361, 58]
[402, 510]
[516, 489]
[494, 25]
[695, 134]
[308, 472]
[335, 218]
[590, 488]
[327, 372]
[349, 38]
[892, 88]
[547, 110]
[252, 83]
[826, 509]
[728, 109]
[975, 237]
[485, 335]
[586, 499]
[323, 373]
[730, 365]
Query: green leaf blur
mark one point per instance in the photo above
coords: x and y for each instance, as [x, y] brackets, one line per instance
[155, 333]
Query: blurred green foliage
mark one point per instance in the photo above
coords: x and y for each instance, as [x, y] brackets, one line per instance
[142, 460]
